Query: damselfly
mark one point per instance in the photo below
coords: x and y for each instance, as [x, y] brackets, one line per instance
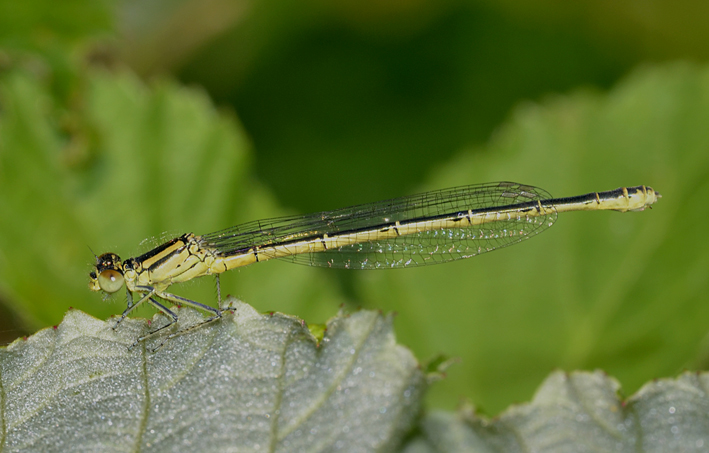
[428, 228]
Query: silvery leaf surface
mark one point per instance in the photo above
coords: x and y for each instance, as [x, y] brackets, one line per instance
[250, 382]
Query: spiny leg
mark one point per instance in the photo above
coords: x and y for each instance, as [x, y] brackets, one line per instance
[172, 298]
[186, 330]
[219, 291]
[216, 314]
[149, 291]
[219, 297]
[164, 310]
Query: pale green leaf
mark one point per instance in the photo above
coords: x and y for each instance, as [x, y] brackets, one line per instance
[250, 382]
[582, 412]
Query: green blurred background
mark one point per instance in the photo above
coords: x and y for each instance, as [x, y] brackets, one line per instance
[127, 120]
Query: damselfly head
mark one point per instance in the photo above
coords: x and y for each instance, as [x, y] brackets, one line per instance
[107, 275]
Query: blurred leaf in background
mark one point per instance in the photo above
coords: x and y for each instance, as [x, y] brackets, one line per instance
[351, 102]
[165, 161]
[626, 293]
[41, 137]
[49, 38]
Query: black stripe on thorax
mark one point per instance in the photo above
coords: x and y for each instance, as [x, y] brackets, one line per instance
[160, 249]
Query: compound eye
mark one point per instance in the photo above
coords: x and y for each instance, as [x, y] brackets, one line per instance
[110, 280]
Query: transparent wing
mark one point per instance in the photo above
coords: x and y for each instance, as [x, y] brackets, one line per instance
[421, 248]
